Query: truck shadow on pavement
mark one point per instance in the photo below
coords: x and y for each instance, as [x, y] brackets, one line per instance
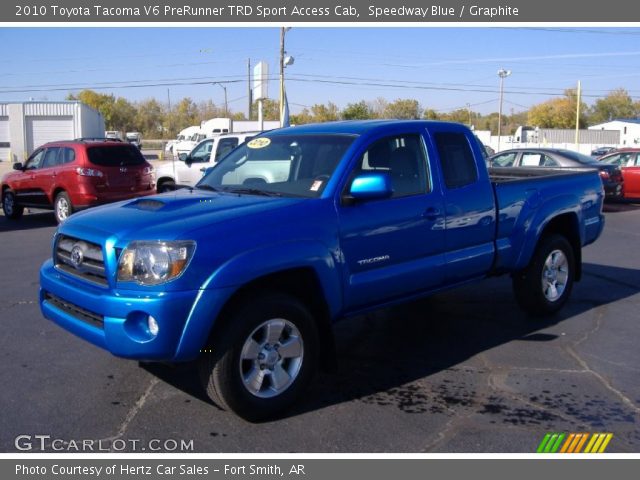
[28, 222]
[386, 357]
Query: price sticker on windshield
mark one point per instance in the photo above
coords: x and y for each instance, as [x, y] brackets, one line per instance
[259, 142]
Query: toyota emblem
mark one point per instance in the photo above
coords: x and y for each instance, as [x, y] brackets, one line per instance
[77, 256]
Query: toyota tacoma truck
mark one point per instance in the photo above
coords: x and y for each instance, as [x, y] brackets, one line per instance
[246, 272]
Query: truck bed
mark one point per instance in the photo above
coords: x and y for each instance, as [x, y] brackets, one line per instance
[513, 174]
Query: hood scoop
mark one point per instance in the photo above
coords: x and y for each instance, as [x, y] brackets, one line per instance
[147, 204]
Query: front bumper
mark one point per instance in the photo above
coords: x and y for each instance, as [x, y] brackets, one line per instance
[116, 320]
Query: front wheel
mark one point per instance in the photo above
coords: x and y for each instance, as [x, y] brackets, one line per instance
[544, 286]
[264, 359]
[62, 207]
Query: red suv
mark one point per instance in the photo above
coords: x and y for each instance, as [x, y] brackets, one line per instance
[72, 175]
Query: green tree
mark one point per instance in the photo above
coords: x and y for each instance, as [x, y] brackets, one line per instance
[617, 104]
[184, 114]
[122, 115]
[357, 111]
[325, 113]
[150, 118]
[558, 112]
[301, 118]
[99, 101]
[270, 109]
[403, 108]
[431, 114]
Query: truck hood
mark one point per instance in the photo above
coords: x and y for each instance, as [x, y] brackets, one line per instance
[168, 216]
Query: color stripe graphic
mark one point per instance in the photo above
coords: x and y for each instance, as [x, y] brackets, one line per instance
[557, 442]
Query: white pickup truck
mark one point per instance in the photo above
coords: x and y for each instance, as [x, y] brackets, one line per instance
[188, 169]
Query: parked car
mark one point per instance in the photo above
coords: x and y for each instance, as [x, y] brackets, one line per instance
[191, 167]
[72, 175]
[303, 226]
[628, 160]
[598, 152]
[556, 158]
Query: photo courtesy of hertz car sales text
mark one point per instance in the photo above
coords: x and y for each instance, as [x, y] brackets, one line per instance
[246, 272]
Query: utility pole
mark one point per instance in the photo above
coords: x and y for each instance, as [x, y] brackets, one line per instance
[578, 116]
[282, 33]
[169, 111]
[502, 73]
[226, 109]
[249, 91]
[469, 112]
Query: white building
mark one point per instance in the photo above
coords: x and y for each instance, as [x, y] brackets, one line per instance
[27, 125]
[629, 129]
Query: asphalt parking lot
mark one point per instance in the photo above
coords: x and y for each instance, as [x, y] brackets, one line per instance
[464, 371]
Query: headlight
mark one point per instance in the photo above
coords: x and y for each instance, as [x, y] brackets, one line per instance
[153, 263]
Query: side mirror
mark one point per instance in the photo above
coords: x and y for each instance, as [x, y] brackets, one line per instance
[371, 186]
[18, 166]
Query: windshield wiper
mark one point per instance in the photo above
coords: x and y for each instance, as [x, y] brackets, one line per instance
[253, 191]
[204, 186]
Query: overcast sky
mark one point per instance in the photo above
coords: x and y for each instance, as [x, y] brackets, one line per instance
[442, 68]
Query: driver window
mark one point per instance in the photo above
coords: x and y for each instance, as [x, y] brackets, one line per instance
[202, 152]
[35, 161]
[403, 158]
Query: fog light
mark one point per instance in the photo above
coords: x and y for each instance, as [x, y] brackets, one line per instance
[153, 326]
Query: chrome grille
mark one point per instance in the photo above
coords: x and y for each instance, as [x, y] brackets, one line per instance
[81, 259]
[75, 311]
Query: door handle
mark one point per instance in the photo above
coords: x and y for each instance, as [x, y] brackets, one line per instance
[432, 213]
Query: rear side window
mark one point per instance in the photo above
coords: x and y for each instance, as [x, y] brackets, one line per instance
[456, 159]
[66, 155]
[115, 156]
[504, 160]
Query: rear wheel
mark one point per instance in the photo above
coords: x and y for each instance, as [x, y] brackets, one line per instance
[545, 285]
[265, 358]
[9, 207]
[62, 207]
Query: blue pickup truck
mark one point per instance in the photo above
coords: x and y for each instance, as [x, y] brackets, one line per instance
[303, 226]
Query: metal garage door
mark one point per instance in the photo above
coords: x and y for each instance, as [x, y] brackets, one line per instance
[4, 138]
[48, 129]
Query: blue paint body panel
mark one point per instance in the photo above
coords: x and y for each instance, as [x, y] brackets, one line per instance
[364, 254]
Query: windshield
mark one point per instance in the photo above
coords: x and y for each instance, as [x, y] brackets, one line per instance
[291, 165]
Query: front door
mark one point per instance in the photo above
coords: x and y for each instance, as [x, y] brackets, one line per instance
[389, 244]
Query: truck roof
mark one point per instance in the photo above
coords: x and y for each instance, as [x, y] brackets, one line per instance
[355, 127]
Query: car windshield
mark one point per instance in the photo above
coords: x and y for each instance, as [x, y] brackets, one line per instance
[282, 165]
[579, 157]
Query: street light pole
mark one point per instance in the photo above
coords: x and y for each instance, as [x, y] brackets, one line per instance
[285, 60]
[502, 73]
[226, 109]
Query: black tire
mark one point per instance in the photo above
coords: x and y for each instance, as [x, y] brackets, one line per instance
[543, 290]
[62, 207]
[9, 207]
[223, 371]
[166, 186]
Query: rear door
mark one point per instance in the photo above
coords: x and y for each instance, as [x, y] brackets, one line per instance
[469, 204]
[393, 246]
